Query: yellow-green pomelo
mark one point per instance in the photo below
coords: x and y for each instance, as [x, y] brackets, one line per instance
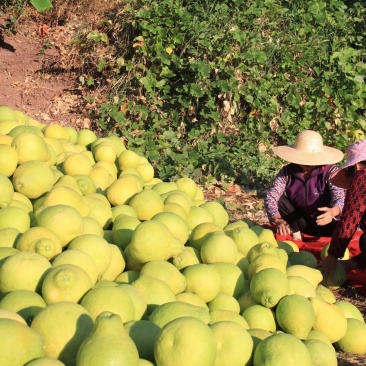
[65, 221]
[354, 340]
[65, 282]
[109, 298]
[267, 235]
[165, 187]
[109, 335]
[15, 217]
[68, 146]
[224, 302]
[177, 226]
[201, 232]
[257, 228]
[294, 246]
[8, 160]
[5, 139]
[6, 252]
[146, 171]
[86, 137]
[9, 237]
[117, 264]
[102, 179]
[22, 205]
[324, 293]
[123, 210]
[78, 258]
[319, 335]
[73, 134]
[198, 215]
[90, 156]
[33, 122]
[45, 361]
[260, 317]
[185, 341]
[99, 209]
[128, 159]
[7, 113]
[244, 238]
[313, 275]
[40, 240]
[176, 209]
[167, 273]
[147, 204]
[7, 125]
[19, 344]
[188, 257]
[295, 315]
[127, 276]
[144, 334]
[117, 142]
[10, 314]
[349, 310]
[235, 224]
[64, 195]
[33, 179]
[26, 303]
[152, 240]
[285, 246]
[218, 247]
[107, 235]
[282, 349]
[23, 271]
[301, 286]
[246, 300]
[92, 226]
[303, 257]
[324, 252]
[63, 327]
[263, 261]
[178, 197]
[123, 229]
[22, 198]
[97, 247]
[6, 191]
[220, 215]
[220, 315]
[131, 171]
[329, 319]
[231, 278]
[123, 189]
[234, 344]
[148, 185]
[22, 129]
[105, 151]
[155, 291]
[169, 311]
[56, 131]
[55, 144]
[321, 353]
[77, 163]
[138, 300]
[188, 186]
[22, 117]
[338, 279]
[29, 146]
[202, 280]
[68, 181]
[131, 262]
[261, 248]
[269, 286]
[191, 298]
[257, 336]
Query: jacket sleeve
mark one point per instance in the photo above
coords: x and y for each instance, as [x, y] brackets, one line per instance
[337, 194]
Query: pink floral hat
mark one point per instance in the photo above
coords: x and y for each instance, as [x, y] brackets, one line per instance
[355, 153]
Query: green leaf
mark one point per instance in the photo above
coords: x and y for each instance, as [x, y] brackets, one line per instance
[41, 5]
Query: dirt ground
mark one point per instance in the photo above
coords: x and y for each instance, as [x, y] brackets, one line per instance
[33, 80]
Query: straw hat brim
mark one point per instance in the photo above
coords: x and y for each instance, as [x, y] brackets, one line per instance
[328, 155]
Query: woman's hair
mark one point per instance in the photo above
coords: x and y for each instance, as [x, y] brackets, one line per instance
[352, 169]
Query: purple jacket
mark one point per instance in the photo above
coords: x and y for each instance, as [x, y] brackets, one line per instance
[308, 195]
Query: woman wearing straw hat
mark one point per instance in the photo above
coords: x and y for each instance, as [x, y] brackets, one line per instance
[301, 198]
[351, 176]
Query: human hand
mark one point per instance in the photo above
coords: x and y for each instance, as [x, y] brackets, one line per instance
[328, 267]
[282, 226]
[326, 217]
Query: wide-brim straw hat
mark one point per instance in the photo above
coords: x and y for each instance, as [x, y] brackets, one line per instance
[308, 149]
[355, 153]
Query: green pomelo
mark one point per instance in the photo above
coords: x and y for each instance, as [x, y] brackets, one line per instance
[263, 261]
[261, 248]
[6, 191]
[201, 232]
[191, 298]
[123, 210]
[220, 215]
[217, 316]
[188, 186]
[198, 215]
[7, 113]
[45, 361]
[14, 217]
[178, 197]
[301, 286]
[29, 147]
[313, 275]
[224, 302]
[260, 317]
[164, 187]
[234, 225]
[349, 310]
[188, 257]
[324, 293]
[321, 353]
[8, 160]
[147, 204]
[9, 237]
[138, 300]
[354, 340]
[123, 229]
[303, 257]
[244, 237]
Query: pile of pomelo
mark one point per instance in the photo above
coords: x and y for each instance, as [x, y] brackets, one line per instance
[101, 263]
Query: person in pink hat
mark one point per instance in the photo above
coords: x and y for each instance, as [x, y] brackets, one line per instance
[301, 198]
[352, 177]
